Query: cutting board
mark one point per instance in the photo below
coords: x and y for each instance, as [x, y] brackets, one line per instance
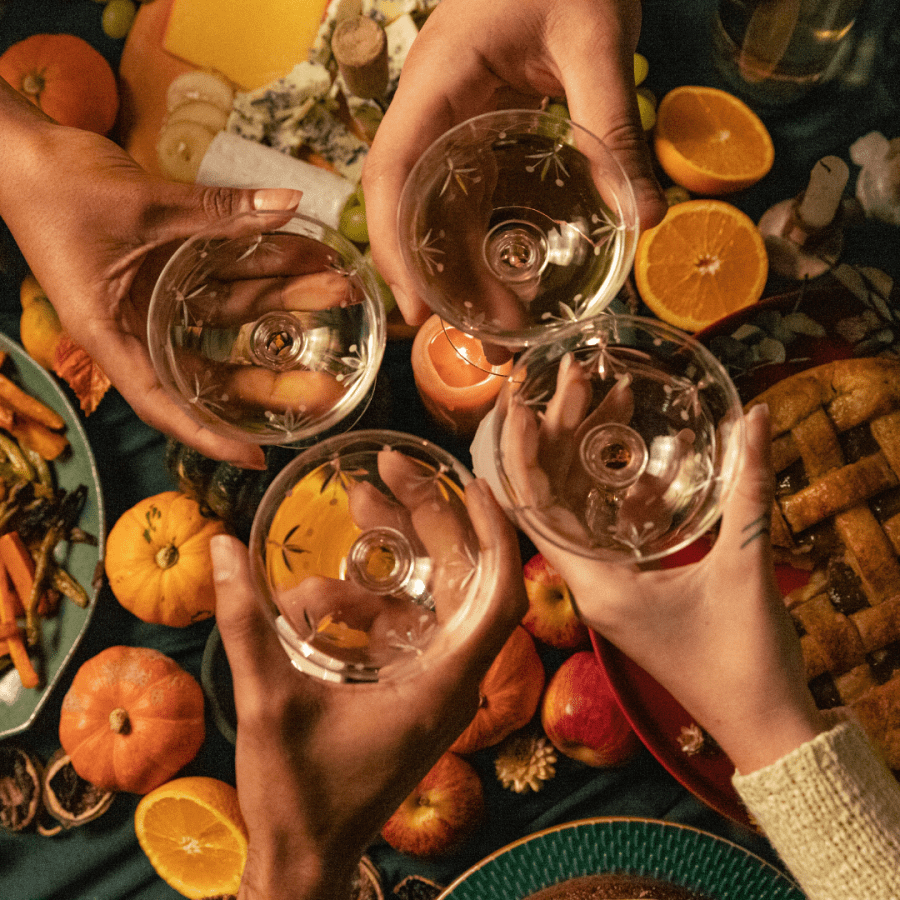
[145, 72]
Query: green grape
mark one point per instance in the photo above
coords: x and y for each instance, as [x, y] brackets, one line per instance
[647, 108]
[641, 68]
[558, 109]
[117, 18]
[353, 224]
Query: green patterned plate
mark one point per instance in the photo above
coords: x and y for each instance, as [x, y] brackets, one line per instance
[62, 633]
[678, 854]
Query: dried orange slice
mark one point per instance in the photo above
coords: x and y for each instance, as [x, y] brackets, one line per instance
[194, 835]
[710, 142]
[705, 260]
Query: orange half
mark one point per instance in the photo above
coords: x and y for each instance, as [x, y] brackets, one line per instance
[704, 261]
[710, 142]
[194, 835]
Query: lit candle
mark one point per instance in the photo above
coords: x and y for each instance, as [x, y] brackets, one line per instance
[455, 381]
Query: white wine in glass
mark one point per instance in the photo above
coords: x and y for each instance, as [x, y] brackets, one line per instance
[515, 223]
[268, 326]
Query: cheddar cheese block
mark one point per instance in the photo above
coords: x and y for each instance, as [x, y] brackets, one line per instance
[252, 42]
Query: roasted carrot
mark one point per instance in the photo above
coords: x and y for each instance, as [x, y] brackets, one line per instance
[29, 406]
[18, 563]
[17, 651]
[49, 444]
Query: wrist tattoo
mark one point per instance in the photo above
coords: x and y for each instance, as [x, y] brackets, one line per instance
[755, 529]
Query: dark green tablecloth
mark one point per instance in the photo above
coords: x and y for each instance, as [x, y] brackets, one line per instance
[102, 860]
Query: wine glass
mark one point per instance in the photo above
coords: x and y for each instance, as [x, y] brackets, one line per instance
[268, 326]
[619, 439]
[515, 223]
[364, 553]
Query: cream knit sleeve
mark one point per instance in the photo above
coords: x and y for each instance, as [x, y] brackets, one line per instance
[831, 808]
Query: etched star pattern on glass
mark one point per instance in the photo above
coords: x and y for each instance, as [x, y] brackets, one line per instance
[269, 327]
[515, 223]
[366, 556]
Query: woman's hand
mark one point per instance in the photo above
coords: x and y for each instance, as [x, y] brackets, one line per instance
[716, 633]
[472, 57]
[321, 767]
[96, 230]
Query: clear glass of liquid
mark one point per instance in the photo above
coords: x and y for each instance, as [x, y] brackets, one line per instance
[516, 223]
[268, 327]
[368, 565]
[618, 440]
[773, 51]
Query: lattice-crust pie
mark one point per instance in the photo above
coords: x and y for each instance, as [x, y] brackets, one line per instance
[836, 454]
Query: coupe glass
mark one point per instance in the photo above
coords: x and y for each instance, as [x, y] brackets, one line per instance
[268, 326]
[618, 440]
[363, 550]
[515, 223]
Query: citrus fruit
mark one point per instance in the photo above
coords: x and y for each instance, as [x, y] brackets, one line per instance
[40, 331]
[705, 260]
[710, 142]
[194, 836]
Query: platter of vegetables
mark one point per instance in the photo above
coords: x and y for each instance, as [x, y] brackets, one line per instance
[51, 535]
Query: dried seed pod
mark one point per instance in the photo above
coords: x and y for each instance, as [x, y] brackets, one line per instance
[20, 788]
[68, 797]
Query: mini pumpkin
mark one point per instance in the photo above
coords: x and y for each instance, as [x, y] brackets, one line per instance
[66, 77]
[158, 561]
[131, 719]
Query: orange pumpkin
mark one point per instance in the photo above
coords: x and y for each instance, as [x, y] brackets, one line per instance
[65, 77]
[158, 562]
[131, 719]
[510, 692]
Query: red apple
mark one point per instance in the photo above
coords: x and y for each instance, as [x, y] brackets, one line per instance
[551, 615]
[582, 717]
[440, 813]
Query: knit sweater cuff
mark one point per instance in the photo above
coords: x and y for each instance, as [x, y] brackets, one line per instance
[831, 808]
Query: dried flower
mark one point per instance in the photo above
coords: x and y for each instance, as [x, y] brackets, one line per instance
[525, 761]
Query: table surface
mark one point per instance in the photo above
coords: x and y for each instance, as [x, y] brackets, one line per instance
[102, 860]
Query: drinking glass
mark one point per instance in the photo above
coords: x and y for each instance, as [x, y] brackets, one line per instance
[515, 223]
[774, 51]
[364, 553]
[268, 326]
[617, 440]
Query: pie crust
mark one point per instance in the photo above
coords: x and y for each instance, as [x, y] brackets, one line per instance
[836, 455]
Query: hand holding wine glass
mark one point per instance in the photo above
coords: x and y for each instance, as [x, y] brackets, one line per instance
[471, 58]
[340, 760]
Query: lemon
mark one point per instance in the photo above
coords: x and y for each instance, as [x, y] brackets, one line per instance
[40, 331]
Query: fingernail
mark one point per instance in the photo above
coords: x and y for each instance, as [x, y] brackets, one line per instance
[222, 555]
[276, 198]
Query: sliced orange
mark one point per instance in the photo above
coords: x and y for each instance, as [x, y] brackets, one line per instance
[194, 835]
[710, 142]
[705, 260]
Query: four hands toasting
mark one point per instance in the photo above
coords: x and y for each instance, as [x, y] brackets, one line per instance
[95, 229]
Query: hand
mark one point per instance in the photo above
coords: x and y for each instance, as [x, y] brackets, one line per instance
[321, 767]
[716, 633]
[472, 57]
[95, 230]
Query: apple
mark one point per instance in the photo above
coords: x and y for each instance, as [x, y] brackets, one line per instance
[440, 813]
[552, 617]
[581, 714]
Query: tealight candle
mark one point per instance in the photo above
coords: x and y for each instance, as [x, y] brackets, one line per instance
[456, 382]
